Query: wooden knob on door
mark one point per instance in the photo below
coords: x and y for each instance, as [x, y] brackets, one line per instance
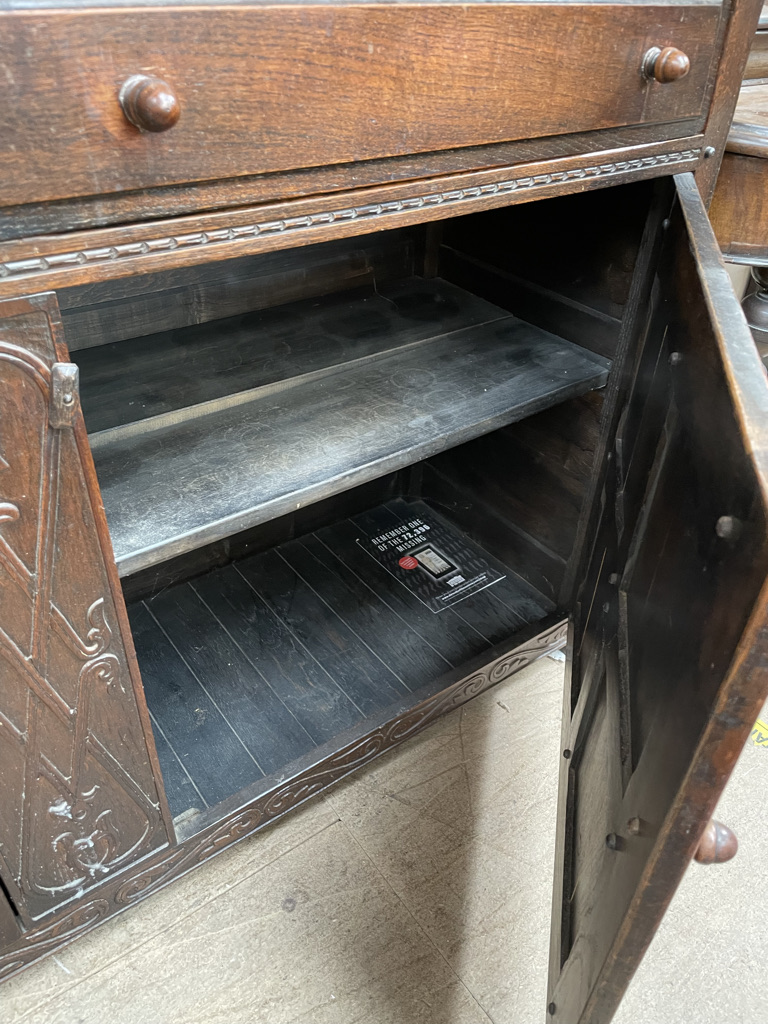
[716, 845]
[667, 65]
[149, 103]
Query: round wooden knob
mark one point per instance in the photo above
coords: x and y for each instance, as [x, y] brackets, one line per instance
[717, 845]
[667, 65]
[149, 103]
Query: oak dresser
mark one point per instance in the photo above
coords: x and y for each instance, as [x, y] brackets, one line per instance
[352, 356]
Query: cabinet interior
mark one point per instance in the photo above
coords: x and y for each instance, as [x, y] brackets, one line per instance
[255, 423]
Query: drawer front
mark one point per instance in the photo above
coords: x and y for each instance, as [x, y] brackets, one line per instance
[274, 88]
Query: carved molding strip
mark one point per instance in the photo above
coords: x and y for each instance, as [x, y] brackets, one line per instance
[366, 212]
[160, 868]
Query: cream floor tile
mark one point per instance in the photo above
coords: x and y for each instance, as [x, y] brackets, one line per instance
[147, 921]
[509, 734]
[417, 892]
[468, 846]
[395, 789]
[317, 935]
[510, 740]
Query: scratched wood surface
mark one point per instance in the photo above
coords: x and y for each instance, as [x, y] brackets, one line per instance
[403, 390]
[257, 663]
[162, 373]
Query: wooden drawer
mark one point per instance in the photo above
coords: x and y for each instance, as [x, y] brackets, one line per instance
[264, 89]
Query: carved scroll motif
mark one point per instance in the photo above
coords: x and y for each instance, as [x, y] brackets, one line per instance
[8, 511]
[98, 637]
[90, 843]
[78, 813]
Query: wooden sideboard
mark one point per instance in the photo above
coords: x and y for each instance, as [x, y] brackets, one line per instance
[345, 351]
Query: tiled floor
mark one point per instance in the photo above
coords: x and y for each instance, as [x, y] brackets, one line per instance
[416, 893]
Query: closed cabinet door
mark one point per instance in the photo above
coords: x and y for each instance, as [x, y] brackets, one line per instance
[79, 796]
[669, 634]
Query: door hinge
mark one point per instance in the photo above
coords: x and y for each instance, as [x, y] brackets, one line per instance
[65, 378]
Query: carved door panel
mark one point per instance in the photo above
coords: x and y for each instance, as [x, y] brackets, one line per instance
[668, 646]
[78, 796]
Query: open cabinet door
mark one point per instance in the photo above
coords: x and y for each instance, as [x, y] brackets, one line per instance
[79, 796]
[669, 637]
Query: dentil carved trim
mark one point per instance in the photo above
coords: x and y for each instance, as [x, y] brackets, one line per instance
[217, 237]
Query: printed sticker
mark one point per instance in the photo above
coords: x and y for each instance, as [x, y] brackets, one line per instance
[428, 555]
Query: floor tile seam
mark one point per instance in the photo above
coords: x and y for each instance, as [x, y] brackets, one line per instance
[303, 1016]
[432, 778]
[420, 810]
[467, 779]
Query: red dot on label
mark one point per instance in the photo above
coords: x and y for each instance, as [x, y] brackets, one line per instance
[408, 562]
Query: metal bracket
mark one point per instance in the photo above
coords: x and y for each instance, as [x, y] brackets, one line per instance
[65, 379]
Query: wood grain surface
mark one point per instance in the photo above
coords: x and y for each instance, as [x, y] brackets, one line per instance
[34, 219]
[739, 210]
[80, 798]
[669, 642]
[737, 32]
[82, 257]
[275, 88]
[181, 480]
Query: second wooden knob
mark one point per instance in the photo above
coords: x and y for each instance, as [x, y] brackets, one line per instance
[149, 103]
[666, 65]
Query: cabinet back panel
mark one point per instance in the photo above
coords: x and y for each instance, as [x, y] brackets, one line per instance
[565, 265]
[521, 489]
[133, 307]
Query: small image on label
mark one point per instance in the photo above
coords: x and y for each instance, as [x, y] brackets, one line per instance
[430, 560]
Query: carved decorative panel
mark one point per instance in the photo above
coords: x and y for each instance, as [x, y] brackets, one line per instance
[79, 798]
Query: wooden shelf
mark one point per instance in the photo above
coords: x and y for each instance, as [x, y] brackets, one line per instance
[255, 665]
[324, 416]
